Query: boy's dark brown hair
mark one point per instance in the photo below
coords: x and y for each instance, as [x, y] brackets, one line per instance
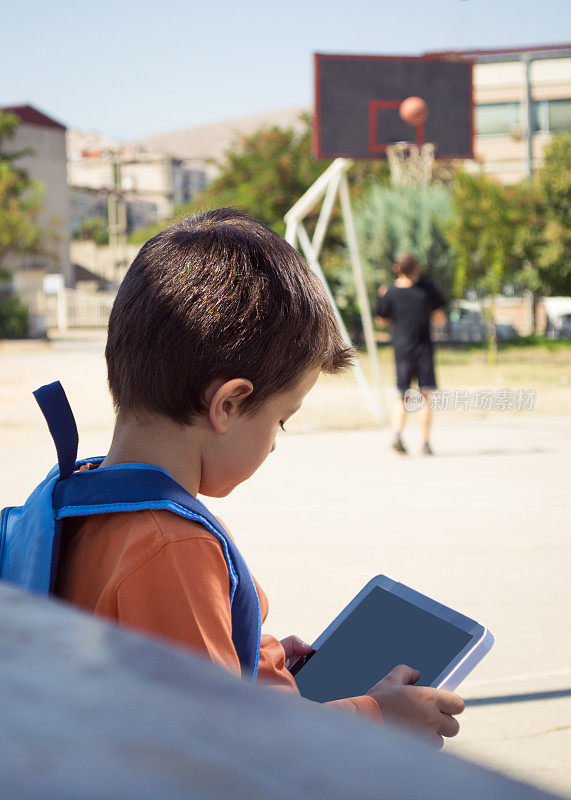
[218, 295]
[406, 264]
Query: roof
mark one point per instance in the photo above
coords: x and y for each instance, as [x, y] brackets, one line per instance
[557, 306]
[83, 274]
[510, 53]
[32, 116]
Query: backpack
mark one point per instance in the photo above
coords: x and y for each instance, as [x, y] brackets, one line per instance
[30, 534]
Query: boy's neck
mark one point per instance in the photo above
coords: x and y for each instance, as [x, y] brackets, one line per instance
[160, 442]
[403, 282]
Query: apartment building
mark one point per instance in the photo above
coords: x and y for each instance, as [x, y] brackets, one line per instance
[152, 183]
[44, 138]
[516, 89]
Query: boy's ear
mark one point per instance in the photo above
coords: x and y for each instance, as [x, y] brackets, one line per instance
[224, 401]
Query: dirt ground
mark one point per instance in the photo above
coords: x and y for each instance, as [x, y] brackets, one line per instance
[483, 526]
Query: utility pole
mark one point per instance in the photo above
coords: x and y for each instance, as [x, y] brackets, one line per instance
[529, 120]
[117, 212]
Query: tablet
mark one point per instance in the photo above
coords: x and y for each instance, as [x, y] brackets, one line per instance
[387, 624]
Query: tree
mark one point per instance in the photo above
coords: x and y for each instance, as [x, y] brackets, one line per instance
[495, 232]
[13, 317]
[20, 233]
[519, 234]
[397, 219]
[20, 199]
[93, 228]
[546, 244]
[482, 233]
[486, 232]
[264, 174]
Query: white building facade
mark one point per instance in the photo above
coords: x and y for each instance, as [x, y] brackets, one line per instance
[515, 89]
[46, 163]
[151, 183]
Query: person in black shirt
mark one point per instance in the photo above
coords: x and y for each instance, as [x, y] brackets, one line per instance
[411, 305]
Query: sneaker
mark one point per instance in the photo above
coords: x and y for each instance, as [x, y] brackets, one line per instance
[398, 445]
[427, 449]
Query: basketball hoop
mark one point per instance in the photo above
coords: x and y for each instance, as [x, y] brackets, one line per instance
[411, 165]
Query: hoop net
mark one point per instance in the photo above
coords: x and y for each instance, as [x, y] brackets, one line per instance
[411, 165]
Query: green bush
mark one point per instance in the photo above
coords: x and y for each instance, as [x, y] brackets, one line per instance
[13, 318]
[397, 219]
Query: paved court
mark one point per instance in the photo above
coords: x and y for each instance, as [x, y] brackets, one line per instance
[484, 527]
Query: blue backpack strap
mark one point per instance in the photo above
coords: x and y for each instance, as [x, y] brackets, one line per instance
[29, 534]
[40, 538]
[132, 487]
[55, 407]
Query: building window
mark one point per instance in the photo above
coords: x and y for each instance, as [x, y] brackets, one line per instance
[559, 115]
[540, 116]
[549, 116]
[497, 118]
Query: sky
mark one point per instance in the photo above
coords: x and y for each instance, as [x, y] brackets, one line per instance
[131, 69]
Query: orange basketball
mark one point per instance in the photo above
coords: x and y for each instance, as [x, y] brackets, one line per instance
[414, 111]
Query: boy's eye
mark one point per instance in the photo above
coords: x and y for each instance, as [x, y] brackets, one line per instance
[282, 426]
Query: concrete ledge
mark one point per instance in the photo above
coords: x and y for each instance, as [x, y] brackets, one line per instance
[89, 711]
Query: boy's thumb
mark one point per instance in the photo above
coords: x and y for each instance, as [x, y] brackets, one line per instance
[405, 675]
[296, 647]
[301, 647]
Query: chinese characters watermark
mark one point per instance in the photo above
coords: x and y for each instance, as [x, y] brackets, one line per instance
[472, 400]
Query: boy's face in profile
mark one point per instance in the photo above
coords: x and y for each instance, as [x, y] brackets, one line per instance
[250, 438]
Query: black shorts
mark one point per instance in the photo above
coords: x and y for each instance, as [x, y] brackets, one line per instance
[418, 364]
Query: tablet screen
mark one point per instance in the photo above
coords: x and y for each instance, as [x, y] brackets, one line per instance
[383, 631]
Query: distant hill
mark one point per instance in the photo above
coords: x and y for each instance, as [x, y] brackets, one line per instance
[197, 144]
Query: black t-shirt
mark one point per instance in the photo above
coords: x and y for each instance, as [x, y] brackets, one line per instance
[409, 309]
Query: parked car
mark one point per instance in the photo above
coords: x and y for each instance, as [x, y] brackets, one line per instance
[558, 317]
[466, 323]
[565, 327]
[505, 331]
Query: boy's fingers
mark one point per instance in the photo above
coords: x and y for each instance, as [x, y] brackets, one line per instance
[450, 703]
[449, 726]
[405, 675]
[300, 647]
[295, 647]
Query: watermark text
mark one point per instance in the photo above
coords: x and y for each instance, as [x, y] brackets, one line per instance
[472, 400]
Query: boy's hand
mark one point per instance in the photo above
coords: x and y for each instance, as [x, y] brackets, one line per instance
[294, 648]
[430, 711]
[382, 290]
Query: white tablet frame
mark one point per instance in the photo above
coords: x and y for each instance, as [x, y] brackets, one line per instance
[480, 643]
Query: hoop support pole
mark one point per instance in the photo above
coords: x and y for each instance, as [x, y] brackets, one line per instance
[331, 183]
[364, 306]
[308, 252]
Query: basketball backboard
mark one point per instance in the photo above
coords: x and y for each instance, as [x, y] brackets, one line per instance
[357, 101]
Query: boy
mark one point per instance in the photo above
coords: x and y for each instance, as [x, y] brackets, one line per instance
[218, 332]
[411, 305]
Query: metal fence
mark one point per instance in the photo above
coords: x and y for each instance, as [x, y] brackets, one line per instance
[68, 308]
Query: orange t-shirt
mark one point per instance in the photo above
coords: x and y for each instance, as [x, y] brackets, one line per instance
[167, 576]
